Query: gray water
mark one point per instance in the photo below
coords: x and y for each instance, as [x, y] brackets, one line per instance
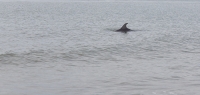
[72, 48]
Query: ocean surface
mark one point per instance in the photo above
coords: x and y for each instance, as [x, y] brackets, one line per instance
[71, 48]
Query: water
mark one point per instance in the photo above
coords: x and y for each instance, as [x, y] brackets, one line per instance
[72, 49]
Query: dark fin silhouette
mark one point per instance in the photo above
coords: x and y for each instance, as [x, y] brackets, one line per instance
[124, 28]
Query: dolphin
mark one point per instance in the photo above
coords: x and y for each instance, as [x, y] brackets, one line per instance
[124, 28]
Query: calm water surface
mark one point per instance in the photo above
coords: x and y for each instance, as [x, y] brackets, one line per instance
[72, 49]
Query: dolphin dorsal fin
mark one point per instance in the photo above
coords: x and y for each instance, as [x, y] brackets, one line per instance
[124, 26]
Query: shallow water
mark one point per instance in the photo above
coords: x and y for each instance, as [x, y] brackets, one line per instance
[72, 49]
